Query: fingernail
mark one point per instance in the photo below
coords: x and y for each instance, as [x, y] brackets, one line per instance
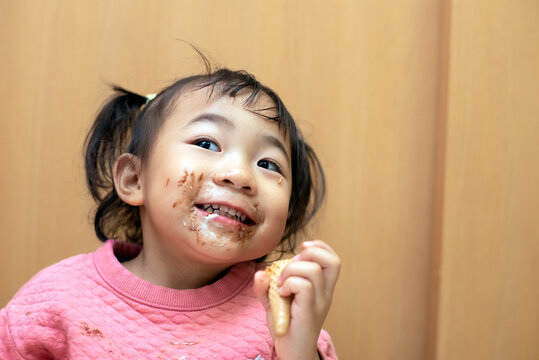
[295, 258]
[307, 243]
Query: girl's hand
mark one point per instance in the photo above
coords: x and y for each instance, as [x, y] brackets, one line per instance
[311, 279]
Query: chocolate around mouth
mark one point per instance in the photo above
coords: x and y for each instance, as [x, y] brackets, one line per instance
[227, 212]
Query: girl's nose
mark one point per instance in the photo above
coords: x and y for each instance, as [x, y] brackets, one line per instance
[239, 179]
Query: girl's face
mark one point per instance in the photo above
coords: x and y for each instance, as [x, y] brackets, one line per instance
[217, 184]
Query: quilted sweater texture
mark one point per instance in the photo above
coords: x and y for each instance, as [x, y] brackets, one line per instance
[91, 307]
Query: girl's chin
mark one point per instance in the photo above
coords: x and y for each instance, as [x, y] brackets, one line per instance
[227, 248]
[226, 255]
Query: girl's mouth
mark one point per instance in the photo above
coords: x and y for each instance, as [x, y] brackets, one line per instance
[225, 211]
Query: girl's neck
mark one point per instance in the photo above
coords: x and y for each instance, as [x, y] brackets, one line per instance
[173, 273]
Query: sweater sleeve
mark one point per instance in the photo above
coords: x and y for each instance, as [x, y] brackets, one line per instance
[8, 349]
[326, 350]
[25, 334]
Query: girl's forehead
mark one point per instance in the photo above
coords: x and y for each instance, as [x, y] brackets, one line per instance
[197, 101]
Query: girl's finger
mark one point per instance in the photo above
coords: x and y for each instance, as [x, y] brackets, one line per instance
[302, 289]
[308, 270]
[317, 243]
[330, 263]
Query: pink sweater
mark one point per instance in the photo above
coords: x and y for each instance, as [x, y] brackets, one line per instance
[90, 307]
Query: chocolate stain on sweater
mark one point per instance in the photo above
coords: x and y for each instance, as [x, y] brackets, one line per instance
[86, 330]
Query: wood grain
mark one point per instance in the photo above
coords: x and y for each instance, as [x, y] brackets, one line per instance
[490, 276]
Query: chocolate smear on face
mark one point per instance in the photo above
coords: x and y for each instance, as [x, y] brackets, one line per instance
[216, 234]
[182, 181]
[189, 190]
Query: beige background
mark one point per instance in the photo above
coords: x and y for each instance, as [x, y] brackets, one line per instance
[425, 114]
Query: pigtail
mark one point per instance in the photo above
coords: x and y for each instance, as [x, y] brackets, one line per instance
[309, 189]
[108, 138]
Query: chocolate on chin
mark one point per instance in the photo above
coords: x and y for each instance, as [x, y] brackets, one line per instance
[280, 305]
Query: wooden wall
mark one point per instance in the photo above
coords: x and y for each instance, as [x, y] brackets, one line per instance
[424, 112]
[489, 289]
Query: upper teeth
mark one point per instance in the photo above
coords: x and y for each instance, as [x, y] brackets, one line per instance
[225, 211]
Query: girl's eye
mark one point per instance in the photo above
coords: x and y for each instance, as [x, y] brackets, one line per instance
[270, 165]
[207, 144]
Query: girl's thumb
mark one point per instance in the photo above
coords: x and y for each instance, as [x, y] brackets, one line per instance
[260, 287]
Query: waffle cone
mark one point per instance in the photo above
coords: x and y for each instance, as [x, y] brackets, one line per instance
[280, 306]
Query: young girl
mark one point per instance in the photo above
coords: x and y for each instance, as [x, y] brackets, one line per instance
[200, 183]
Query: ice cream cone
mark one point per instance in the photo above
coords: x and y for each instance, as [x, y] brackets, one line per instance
[280, 305]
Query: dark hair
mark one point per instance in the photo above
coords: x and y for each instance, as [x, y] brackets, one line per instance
[125, 125]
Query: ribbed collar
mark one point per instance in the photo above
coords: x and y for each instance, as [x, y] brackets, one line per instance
[129, 285]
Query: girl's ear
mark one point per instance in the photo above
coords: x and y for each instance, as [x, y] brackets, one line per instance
[127, 181]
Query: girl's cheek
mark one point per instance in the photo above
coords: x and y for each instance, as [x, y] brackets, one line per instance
[188, 186]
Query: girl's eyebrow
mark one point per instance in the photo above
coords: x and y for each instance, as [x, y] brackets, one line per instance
[211, 117]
